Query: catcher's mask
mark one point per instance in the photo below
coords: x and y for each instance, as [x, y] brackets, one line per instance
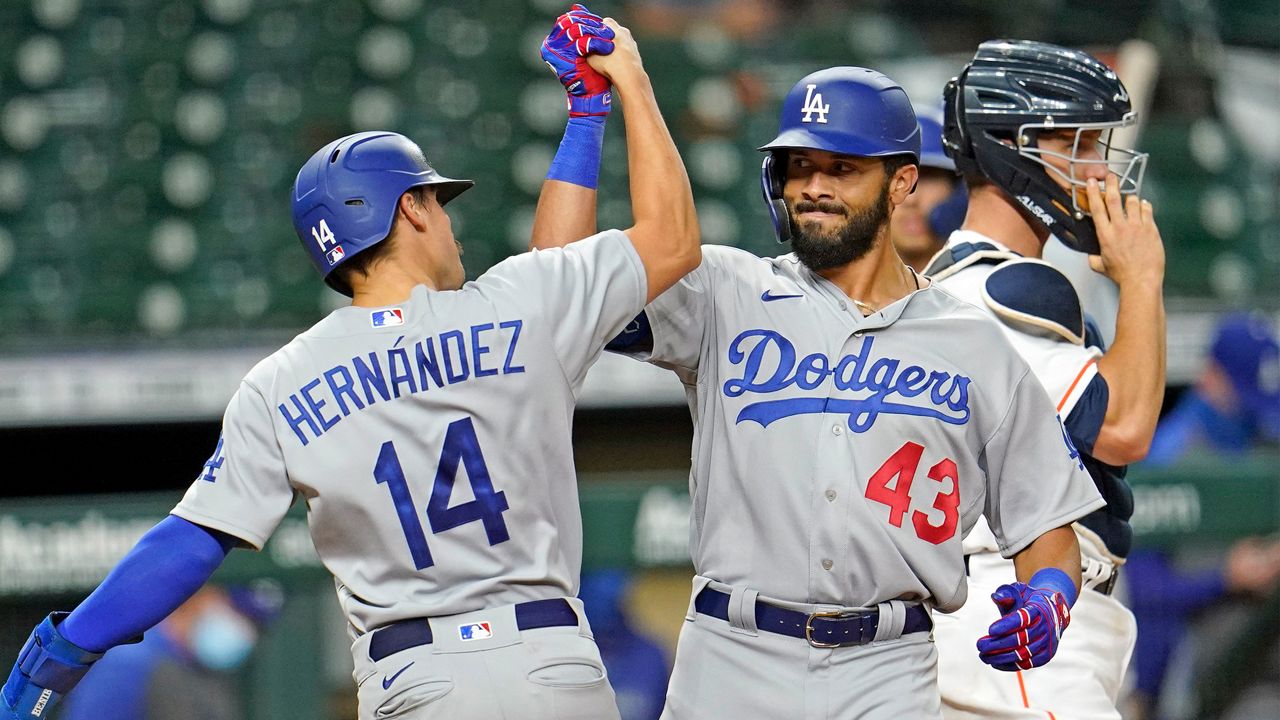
[1011, 93]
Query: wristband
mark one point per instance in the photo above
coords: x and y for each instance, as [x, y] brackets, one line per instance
[578, 159]
[1055, 580]
[597, 105]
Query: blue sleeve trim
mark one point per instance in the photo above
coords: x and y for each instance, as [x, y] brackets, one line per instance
[637, 336]
[167, 566]
[1053, 579]
[1086, 417]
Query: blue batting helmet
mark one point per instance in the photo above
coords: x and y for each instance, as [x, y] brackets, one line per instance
[846, 110]
[945, 217]
[345, 196]
[931, 151]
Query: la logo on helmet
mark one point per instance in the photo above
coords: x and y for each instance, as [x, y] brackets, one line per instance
[813, 105]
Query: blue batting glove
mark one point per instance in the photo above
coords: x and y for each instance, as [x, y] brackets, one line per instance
[1028, 632]
[575, 35]
[47, 668]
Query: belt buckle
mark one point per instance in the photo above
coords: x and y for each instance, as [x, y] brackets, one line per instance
[830, 615]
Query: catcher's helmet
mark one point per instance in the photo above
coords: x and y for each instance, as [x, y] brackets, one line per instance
[846, 110]
[345, 196]
[1012, 91]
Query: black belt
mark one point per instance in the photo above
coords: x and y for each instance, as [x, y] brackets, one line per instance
[1106, 587]
[821, 629]
[402, 635]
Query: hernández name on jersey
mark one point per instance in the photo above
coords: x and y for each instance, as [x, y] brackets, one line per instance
[401, 370]
[770, 363]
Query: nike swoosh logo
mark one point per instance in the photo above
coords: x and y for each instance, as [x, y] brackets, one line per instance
[386, 681]
[767, 297]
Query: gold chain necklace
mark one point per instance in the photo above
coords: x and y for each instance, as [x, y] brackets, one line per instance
[868, 308]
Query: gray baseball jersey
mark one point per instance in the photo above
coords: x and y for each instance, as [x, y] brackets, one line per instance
[430, 440]
[840, 459]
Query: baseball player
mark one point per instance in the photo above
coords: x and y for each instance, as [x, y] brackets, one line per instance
[1029, 124]
[427, 428]
[851, 423]
[919, 227]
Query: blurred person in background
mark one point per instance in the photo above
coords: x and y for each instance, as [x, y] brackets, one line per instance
[638, 665]
[744, 19]
[1167, 599]
[1234, 405]
[183, 668]
[920, 225]
[1233, 408]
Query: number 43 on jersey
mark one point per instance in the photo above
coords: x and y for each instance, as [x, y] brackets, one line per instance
[460, 447]
[902, 465]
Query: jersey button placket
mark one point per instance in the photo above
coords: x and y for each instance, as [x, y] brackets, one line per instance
[829, 526]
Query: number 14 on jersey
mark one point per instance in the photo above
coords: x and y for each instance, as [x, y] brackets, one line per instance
[461, 446]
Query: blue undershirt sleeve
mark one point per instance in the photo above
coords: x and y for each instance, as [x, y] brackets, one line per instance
[167, 566]
[637, 336]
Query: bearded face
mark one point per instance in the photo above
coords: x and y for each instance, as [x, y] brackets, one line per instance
[821, 246]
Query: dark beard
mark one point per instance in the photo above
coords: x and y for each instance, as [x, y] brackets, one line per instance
[820, 250]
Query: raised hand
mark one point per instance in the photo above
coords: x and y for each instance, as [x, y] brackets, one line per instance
[624, 59]
[575, 36]
[1131, 246]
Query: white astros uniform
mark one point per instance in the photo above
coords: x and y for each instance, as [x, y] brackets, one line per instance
[430, 442]
[1084, 679]
[837, 462]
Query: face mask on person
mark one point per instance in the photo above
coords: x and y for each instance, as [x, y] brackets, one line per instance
[222, 639]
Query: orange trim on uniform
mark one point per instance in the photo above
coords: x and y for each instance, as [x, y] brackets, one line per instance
[1075, 382]
[1022, 687]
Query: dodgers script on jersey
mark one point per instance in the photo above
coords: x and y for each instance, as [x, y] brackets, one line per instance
[847, 456]
[430, 440]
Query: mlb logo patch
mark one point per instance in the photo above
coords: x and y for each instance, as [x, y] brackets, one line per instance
[387, 318]
[475, 631]
[335, 255]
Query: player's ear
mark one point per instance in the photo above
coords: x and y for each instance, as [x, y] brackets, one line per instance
[903, 183]
[415, 206]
